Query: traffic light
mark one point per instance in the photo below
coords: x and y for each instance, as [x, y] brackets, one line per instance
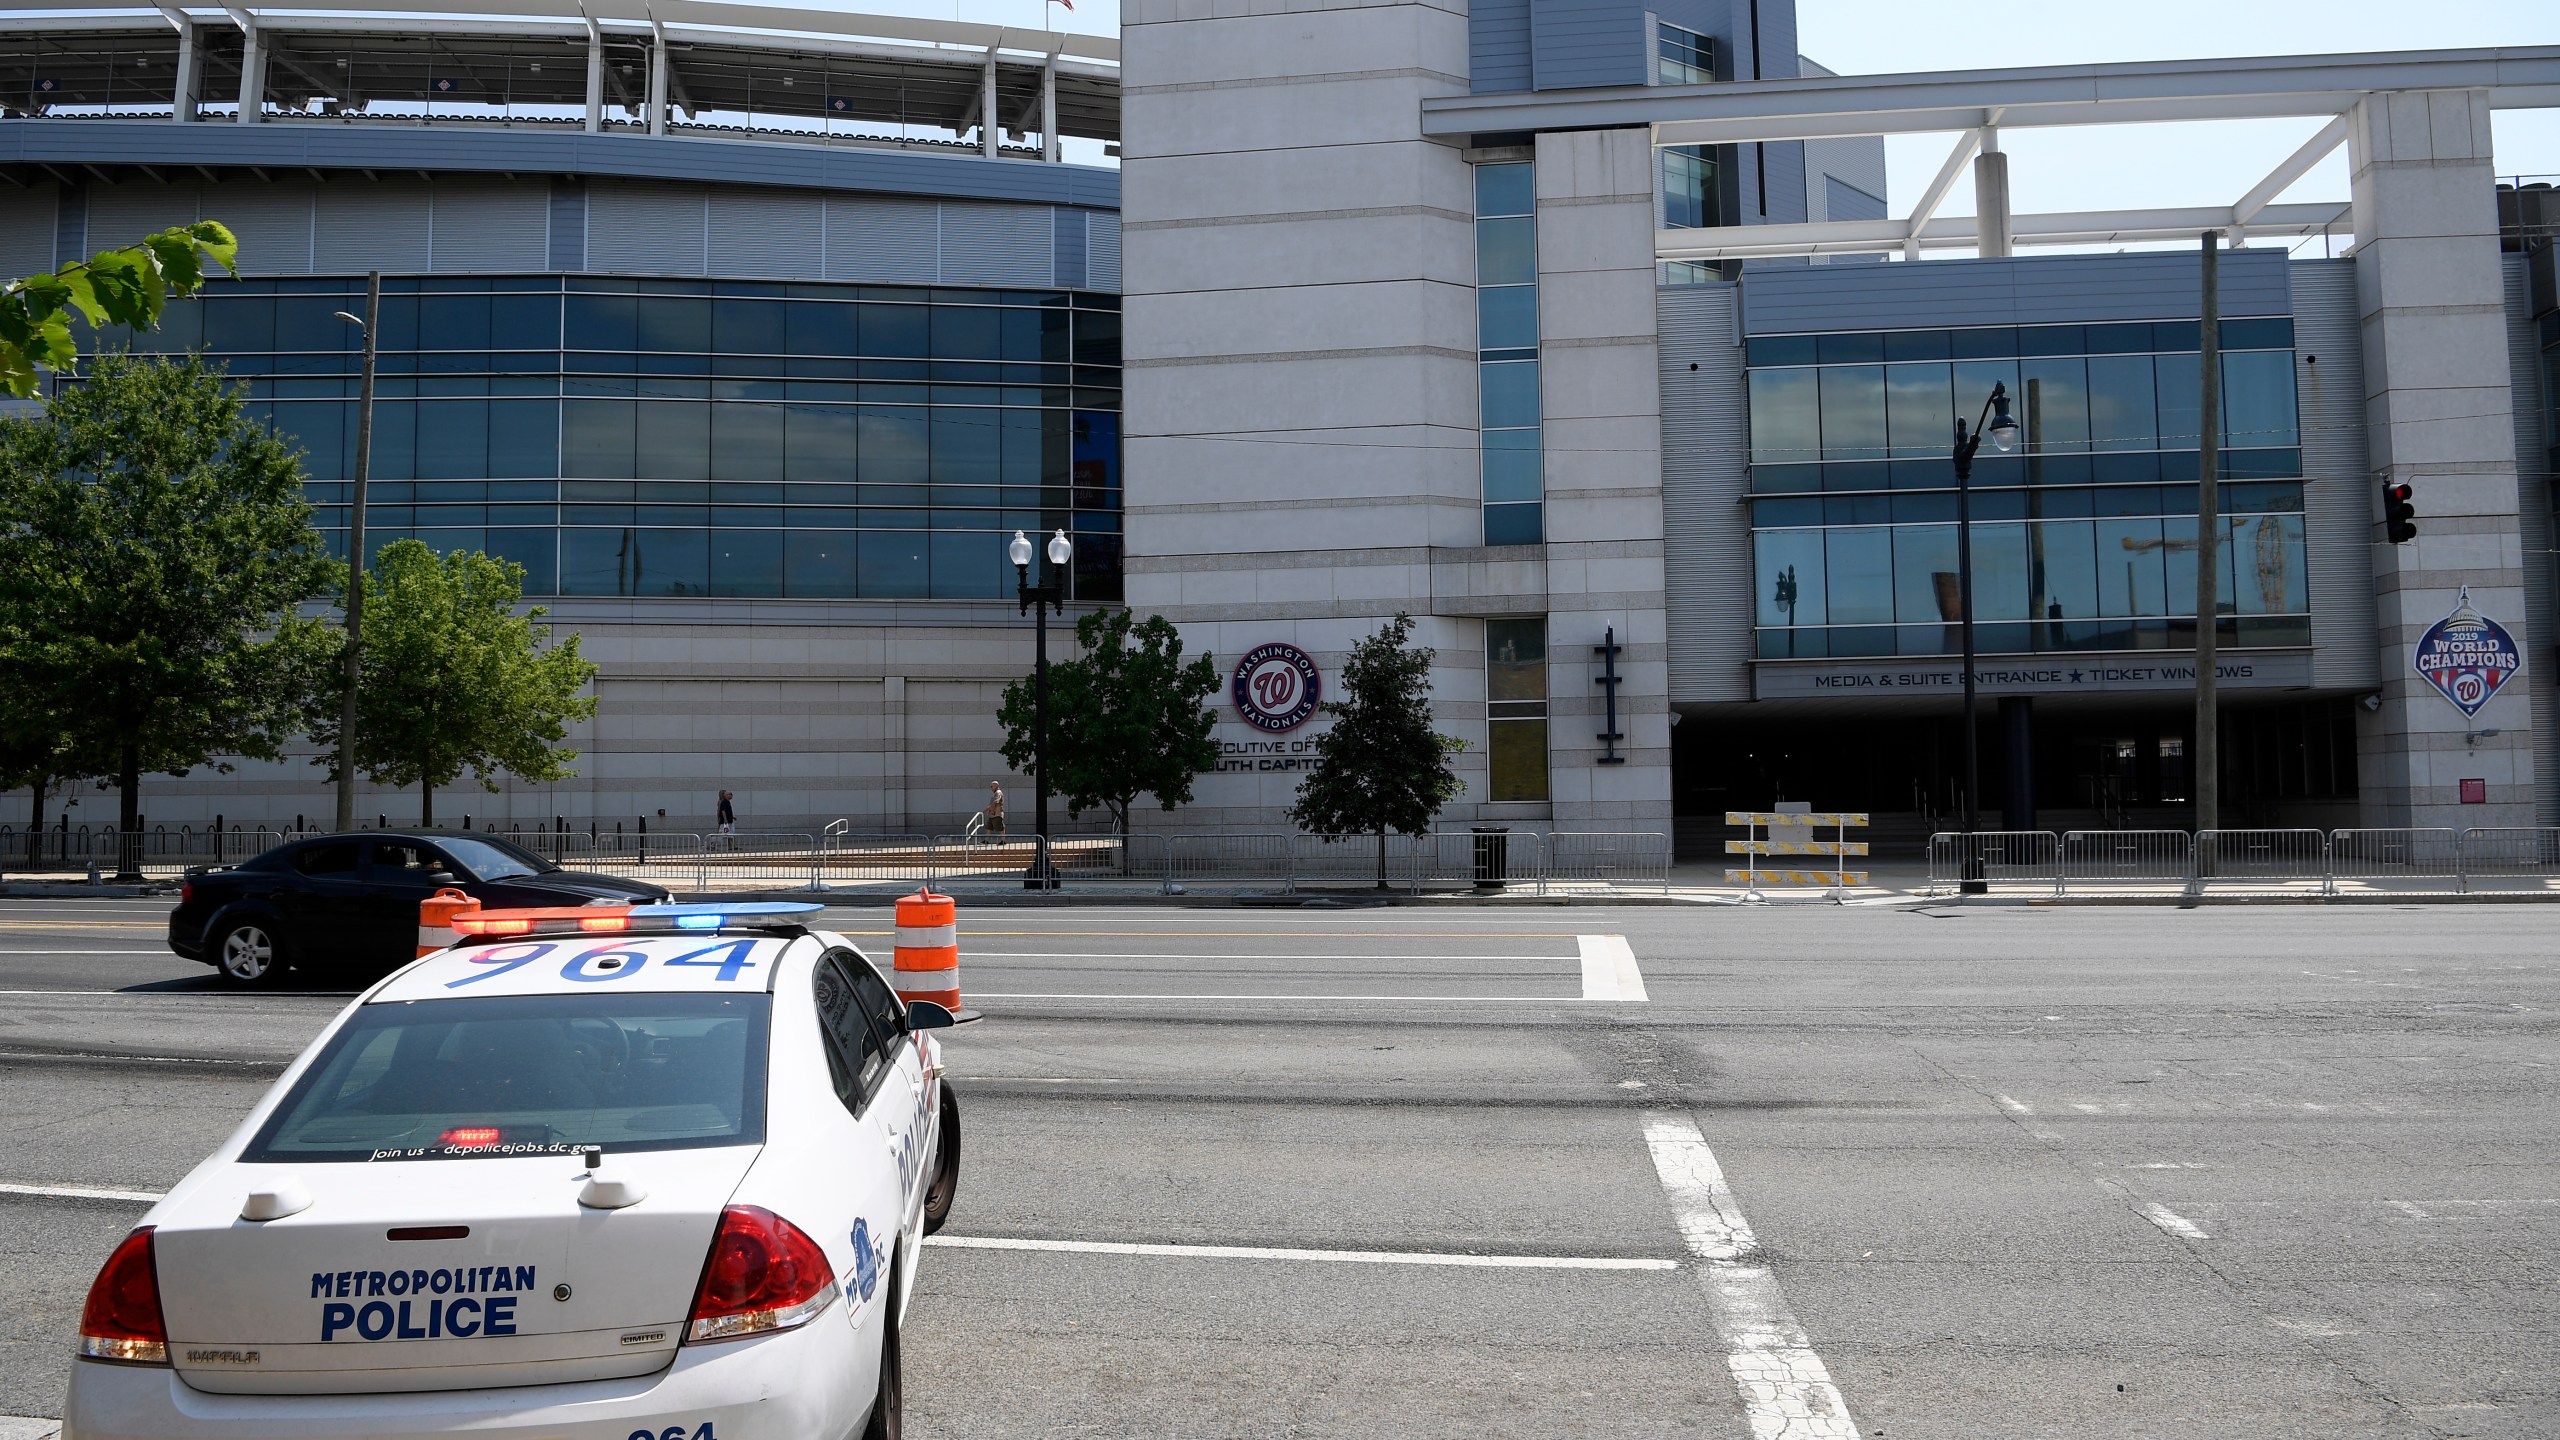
[2399, 517]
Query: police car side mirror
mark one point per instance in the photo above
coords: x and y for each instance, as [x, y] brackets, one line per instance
[927, 1015]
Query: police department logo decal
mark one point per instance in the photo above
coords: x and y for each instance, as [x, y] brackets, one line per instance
[866, 1264]
[1276, 687]
[2467, 656]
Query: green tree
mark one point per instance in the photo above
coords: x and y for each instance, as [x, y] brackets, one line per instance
[128, 286]
[1125, 718]
[155, 549]
[455, 678]
[1381, 767]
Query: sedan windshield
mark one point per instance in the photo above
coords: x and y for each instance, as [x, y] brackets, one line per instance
[528, 1075]
[493, 859]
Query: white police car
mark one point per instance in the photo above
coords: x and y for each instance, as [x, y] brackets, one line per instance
[645, 1173]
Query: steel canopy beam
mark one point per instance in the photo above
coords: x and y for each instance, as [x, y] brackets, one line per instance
[1831, 107]
[2090, 227]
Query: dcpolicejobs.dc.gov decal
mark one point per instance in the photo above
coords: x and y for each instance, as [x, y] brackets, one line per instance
[2467, 657]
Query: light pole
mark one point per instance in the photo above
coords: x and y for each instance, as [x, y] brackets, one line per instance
[2002, 427]
[371, 322]
[1038, 600]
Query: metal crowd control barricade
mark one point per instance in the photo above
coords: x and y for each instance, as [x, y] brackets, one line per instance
[847, 861]
[1607, 860]
[1352, 860]
[753, 860]
[1756, 848]
[2261, 862]
[2376, 862]
[2127, 861]
[1229, 863]
[2009, 859]
[977, 861]
[2510, 859]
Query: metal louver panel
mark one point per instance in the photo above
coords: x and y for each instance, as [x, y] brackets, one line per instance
[27, 231]
[647, 229]
[996, 245]
[776, 234]
[568, 225]
[2339, 493]
[1706, 553]
[490, 227]
[371, 226]
[122, 214]
[1067, 248]
[2533, 497]
[890, 242]
[272, 224]
[1102, 253]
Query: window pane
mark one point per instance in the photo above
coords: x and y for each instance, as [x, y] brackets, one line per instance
[816, 328]
[1691, 199]
[2180, 397]
[1785, 416]
[2121, 413]
[1517, 756]
[967, 332]
[818, 443]
[681, 324]
[746, 440]
[596, 441]
[1516, 659]
[524, 438]
[896, 331]
[525, 322]
[1853, 425]
[2131, 572]
[453, 439]
[1920, 407]
[2178, 566]
[1514, 524]
[1505, 189]
[453, 322]
[818, 564]
[1861, 565]
[893, 447]
[892, 566]
[746, 562]
[747, 327]
[2064, 560]
[607, 323]
[2257, 398]
[1507, 317]
[1790, 581]
[2266, 569]
[395, 440]
[596, 562]
[2055, 406]
[1511, 466]
[1510, 394]
[1999, 572]
[968, 446]
[534, 549]
[1507, 252]
[672, 440]
[1924, 574]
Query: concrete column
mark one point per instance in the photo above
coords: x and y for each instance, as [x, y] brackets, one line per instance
[2439, 418]
[253, 76]
[989, 133]
[595, 78]
[658, 83]
[1049, 109]
[189, 78]
[893, 753]
[1991, 197]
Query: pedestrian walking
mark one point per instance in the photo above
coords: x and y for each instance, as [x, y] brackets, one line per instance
[728, 817]
[995, 809]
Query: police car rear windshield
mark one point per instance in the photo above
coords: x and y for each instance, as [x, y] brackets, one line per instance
[502, 1075]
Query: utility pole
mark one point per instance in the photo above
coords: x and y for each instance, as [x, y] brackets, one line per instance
[2208, 756]
[371, 323]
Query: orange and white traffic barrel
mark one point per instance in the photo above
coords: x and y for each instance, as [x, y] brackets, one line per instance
[435, 919]
[928, 955]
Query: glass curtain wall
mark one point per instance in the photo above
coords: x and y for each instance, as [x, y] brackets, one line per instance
[2085, 540]
[697, 438]
[1514, 472]
[1683, 57]
[1515, 662]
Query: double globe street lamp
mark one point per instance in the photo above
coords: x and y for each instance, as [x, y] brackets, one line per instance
[2001, 427]
[1039, 600]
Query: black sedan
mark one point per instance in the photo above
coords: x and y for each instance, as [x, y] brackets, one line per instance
[348, 904]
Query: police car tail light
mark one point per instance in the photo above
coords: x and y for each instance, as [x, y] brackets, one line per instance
[763, 1274]
[122, 1319]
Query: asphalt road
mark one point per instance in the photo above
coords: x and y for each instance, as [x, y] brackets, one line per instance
[2030, 1172]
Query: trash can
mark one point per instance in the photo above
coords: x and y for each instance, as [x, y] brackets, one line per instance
[1493, 856]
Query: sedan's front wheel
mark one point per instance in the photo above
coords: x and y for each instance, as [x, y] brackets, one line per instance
[247, 955]
[889, 1402]
[945, 1185]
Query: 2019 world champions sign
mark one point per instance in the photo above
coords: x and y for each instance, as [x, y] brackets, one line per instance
[2467, 657]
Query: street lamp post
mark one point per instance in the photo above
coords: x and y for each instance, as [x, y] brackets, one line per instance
[1996, 422]
[1039, 600]
[371, 322]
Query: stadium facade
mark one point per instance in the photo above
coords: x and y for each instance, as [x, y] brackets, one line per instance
[1582, 332]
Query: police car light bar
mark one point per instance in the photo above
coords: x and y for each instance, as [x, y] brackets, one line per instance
[612, 919]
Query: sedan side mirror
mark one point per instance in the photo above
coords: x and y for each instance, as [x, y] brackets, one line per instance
[929, 1015]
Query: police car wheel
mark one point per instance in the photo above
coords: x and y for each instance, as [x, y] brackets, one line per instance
[247, 955]
[888, 1403]
[946, 1166]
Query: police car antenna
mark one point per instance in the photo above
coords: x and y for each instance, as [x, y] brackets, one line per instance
[594, 1155]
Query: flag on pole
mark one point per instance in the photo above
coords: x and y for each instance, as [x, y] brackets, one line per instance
[1070, 4]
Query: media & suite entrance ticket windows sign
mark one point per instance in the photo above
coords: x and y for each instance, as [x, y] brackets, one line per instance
[2467, 657]
[2035, 675]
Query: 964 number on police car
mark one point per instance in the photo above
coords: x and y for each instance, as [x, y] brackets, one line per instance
[675, 1432]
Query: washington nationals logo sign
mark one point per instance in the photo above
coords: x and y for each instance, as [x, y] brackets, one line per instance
[1276, 687]
[2467, 656]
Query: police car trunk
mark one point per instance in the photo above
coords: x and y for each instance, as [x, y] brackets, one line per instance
[419, 1213]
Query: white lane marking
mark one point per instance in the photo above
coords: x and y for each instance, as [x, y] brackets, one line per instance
[84, 950]
[1609, 968]
[1336, 1257]
[2173, 1223]
[79, 1192]
[2014, 1107]
[28, 1427]
[1309, 999]
[1126, 956]
[1786, 1390]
